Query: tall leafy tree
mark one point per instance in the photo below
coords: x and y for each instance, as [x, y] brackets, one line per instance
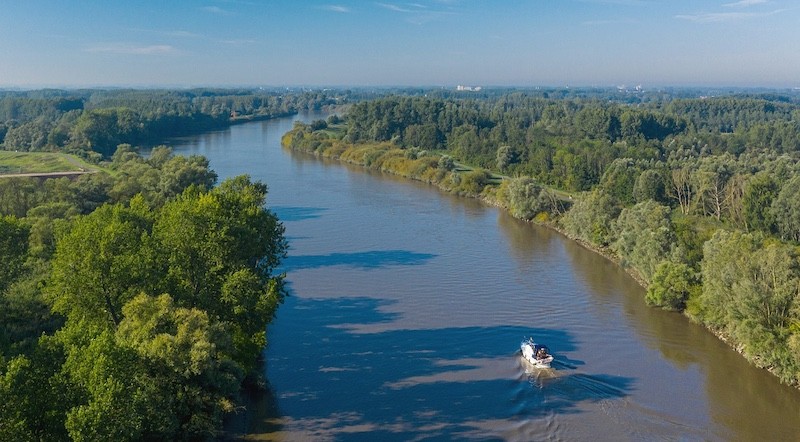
[759, 192]
[13, 249]
[645, 236]
[786, 210]
[672, 285]
[750, 287]
[590, 218]
[526, 198]
[104, 260]
[221, 250]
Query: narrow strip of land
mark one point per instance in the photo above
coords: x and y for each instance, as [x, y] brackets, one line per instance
[46, 174]
[42, 165]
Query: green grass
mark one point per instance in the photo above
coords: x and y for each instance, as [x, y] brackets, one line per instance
[335, 130]
[40, 162]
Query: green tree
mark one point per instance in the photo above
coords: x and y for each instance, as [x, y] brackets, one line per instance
[104, 260]
[506, 156]
[34, 396]
[424, 136]
[644, 236]
[525, 198]
[446, 163]
[619, 179]
[180, 172]
[590, 218]
[786, 210]
[759, 192]
[13, 249]
[221, 249]
[186, 356]
[672, 285]
[109, 374]
[650, 185]
[749, 289]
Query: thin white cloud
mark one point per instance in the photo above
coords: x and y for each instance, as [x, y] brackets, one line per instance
[745, 3]
[239, 42]
[719, 17]
[397, 8]
[216, 10]
[179, 33]
[621, 21]
[174, 33]
[416, 13]
[336, 8]
[129, 49]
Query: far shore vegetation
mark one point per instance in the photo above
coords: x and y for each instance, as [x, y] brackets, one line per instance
[698, 198]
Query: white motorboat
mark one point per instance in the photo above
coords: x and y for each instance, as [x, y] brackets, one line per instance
[536, 354]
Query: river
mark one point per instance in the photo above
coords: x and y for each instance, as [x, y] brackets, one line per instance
[407, 306]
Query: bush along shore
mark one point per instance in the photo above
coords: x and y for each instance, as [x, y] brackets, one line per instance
[742, 286]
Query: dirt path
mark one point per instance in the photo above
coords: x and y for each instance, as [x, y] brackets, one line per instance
[47, 174]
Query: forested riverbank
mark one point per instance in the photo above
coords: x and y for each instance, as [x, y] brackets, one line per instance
[92, 122]
[696, 197]
[134, 300]
[133, 306]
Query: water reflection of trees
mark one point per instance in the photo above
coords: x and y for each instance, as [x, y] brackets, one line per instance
[528, 243]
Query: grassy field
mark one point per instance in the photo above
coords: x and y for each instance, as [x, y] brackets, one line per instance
[40, 162]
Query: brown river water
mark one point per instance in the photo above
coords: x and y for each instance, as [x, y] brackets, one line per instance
[407, 307]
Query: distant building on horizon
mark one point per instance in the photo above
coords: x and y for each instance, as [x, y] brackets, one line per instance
[468, 88]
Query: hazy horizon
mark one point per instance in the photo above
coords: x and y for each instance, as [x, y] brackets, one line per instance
[431, 43]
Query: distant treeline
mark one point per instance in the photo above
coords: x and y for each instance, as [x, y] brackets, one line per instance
[93, 122]
[700, 197]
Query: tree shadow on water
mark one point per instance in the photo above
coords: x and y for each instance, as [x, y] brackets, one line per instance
[330, 383]
[374, 259]
[292, 213]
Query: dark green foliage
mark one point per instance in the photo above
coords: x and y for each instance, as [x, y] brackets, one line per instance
[786, 210]
[672, 285]
[90, 346]
[13, 249]
[506, 156]
[750, 289]
[34, 395]
[619, 179]
[644, 236]
[525, 198]
[318, 125]
[650, 185]
[590, 218]
[759, 193]
[98, 121]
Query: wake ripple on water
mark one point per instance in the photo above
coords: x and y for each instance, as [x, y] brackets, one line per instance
[562, 403]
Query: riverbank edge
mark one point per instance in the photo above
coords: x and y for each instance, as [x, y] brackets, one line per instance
[489, 199]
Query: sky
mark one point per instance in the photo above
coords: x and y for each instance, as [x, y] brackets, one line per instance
[183, 43]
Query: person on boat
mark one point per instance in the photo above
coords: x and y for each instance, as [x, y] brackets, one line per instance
[541, 354]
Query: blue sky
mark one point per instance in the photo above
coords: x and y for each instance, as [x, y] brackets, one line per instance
[417, 43]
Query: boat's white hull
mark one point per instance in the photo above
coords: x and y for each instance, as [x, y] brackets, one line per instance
[528, 353]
